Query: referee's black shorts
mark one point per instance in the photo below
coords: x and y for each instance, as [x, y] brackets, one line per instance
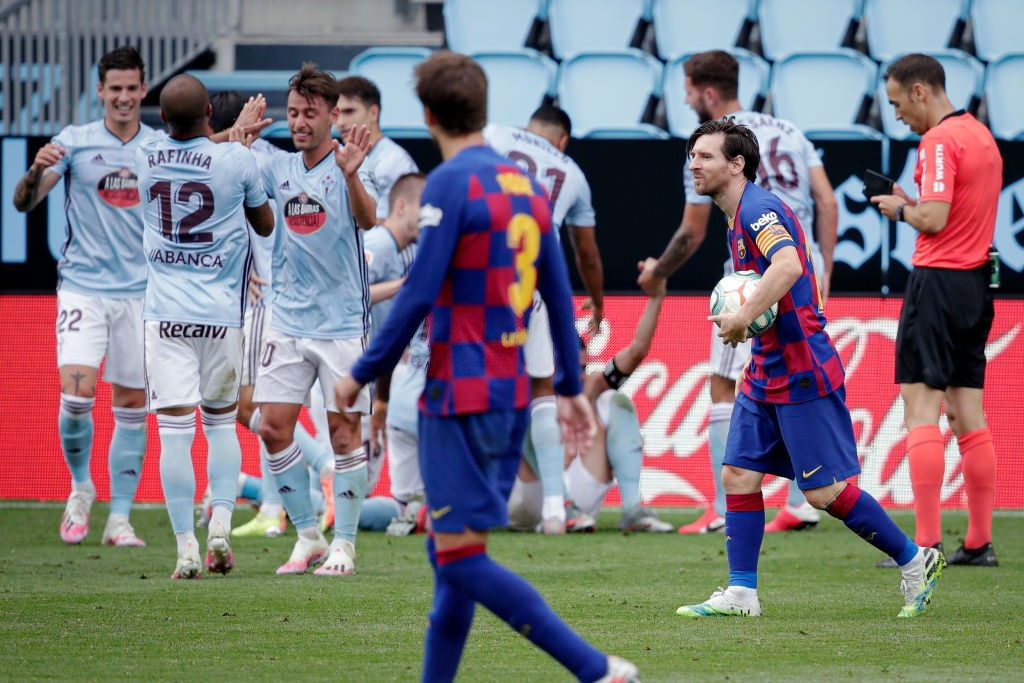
[944, 325]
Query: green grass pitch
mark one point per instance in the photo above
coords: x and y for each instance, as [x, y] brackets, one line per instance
[93, 613]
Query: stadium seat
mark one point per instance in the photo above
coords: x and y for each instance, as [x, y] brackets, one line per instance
[89, 106]
[593, 25]
[38, 82]
[391, 69]
[896, 27]
[273, 83]
[689, 26]
[965, 83]
[1004, 97]
[755, 77]
[517, 83]
[478, 25]
[611, 90]
[788, 26]
[826, 94]
[995, 25]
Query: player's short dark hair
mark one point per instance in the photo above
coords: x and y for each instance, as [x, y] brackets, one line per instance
[124, 58]
[407, 186]
[716, 69]
[554, 116]
[739, 141]
[227, 105]
[362, 89]
[311, 83]
[454, 88]
[917, 68]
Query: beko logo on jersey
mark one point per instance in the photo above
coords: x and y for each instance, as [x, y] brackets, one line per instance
[188, 331]
[181, 258]
[430, 216]
[765, 219]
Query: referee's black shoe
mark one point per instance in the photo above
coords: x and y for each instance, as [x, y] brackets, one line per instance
[985, 556]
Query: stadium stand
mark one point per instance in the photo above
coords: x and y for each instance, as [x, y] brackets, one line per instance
[784, 25]
[594, 25]
[689, 26]
[826, 94]
[896, 27]
[1004, 97]
[965, 83]
[391, 69]
[604, 91]
[472, 26]
[995, 27]
[518, 82]
[755, 78]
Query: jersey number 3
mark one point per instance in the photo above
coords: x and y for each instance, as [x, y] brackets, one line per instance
[524, 240]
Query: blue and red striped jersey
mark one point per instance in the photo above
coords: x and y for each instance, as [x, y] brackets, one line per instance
[486, 244]
[794, 360]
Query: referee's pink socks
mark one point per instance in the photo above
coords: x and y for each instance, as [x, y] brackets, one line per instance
[925, 453]
[979, 465]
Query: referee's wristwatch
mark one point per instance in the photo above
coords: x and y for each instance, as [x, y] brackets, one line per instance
[899, 211]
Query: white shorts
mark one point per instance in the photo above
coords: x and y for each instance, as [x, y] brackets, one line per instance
[255, 326]
[583, 488]
[290, 365]
[90, 329]
[404, 464]
[189, 364]
[539, 352]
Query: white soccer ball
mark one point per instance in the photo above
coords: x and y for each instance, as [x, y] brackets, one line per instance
[733, 290]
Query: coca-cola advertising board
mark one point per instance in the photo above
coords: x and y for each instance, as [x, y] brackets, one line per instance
[669, 389]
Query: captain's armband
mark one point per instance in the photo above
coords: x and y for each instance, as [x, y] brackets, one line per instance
[613, 375]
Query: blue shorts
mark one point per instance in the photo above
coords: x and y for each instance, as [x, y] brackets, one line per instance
[469, 463]
[811, 442]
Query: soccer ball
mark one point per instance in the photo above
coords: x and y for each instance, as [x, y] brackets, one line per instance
[733, 290]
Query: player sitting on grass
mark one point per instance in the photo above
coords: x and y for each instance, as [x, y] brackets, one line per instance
[617, 451]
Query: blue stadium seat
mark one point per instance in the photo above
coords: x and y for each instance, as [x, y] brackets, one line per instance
[995, 25]
[789, 26]
[965, 83]
[478, 25]
[826, 94]
[690, 26]
[611, 90]
[593, 25]
[273, 83]
[755, 77]
[38, 83]
[1004, 97]
[391, 69]
[89, 106]
[517, 83]
[896, 27]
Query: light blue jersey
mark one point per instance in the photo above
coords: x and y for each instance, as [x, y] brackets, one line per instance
[565, 183]
[384, 263]
[387, 162]
[320, 285]
[196, 237]
[102, 255]
[263, 247]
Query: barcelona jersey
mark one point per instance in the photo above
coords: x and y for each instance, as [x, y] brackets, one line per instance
[486, 244]
[794, 360]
